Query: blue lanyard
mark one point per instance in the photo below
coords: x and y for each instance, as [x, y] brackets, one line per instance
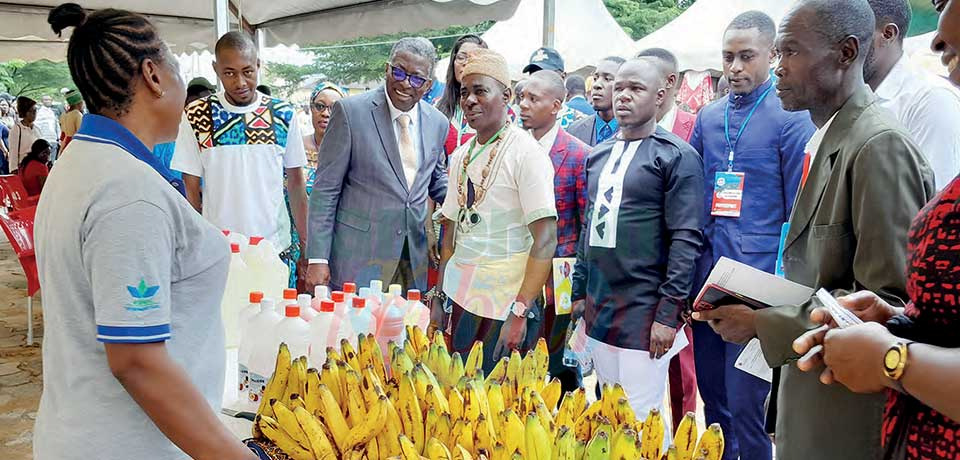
[726, 125]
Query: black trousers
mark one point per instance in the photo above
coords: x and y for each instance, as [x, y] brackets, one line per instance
[468, 328]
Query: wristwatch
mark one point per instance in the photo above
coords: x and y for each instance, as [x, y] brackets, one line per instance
[518, 308]
[895, 360]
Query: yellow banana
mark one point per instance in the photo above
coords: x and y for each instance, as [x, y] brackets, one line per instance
[410, 412]
[551, 393]
[541, 359]
[514, 434]
[485, 435]
[712, 442]
[332, 417]
[672, 453]
[388, 438]
[495, 402]
[686, 437]
[456, 403]
[537, 439]
[461, 453]
[296, 401]
[435, 398]
[333, 354]
[462, 433]
[430, 423]
[623, 413]
[342, 368]
[356, 409]
[583, 424]
[499, 371]
[471, 405]
[319, 444]
[277, 384]
[376, 359]
[297, 383]
[312, 400]
[474, 359]
[437, 451]
[288, 423]
[408, 451]
[625, 445]
[370, 386]
[565, 444]
[457, 371]
[653, 433]
[330, 376]
[272, 431]
[445, 429]
[598, 448]
[514, 365]
[370, 426]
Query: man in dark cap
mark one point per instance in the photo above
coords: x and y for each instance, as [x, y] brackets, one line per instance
[848, 230]
[550, 59]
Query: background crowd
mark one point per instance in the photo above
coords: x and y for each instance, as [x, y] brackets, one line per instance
[824, 157]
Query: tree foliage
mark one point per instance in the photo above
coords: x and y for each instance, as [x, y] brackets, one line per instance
[34, 79]
[641, 17]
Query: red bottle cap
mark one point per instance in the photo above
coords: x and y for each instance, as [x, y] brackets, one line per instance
[337, 296]
[350, 288]
[292, 311]
[235, 248]
[359, 302]
[414, 295]
[256, 296]
[289, 294]
[255, 240]
[326, 306]
[226, 232]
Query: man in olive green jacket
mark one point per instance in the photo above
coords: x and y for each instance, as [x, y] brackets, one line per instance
[848, 231]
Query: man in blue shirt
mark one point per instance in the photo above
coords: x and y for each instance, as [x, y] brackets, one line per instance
[576, 95]
[753, 151]
[602, 125]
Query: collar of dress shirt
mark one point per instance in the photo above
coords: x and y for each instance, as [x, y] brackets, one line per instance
[669, 119]
[899, 76]
[395, 112]
[549, 138]
[814, 143]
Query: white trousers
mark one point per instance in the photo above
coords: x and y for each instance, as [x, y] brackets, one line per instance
[642, 378]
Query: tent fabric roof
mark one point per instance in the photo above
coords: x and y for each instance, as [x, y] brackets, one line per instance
[695, 36]
[187, 25]
[585, 33]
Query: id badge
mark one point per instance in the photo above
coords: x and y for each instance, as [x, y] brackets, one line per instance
[727, 194]
[563, 284]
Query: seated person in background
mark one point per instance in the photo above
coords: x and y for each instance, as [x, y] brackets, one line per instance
[33, 168]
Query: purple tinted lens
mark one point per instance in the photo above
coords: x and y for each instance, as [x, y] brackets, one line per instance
[417, 82]
[398, 74]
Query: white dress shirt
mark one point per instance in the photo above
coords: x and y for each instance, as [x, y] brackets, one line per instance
[814, 143]
[669, 119]
[549, 138]
[929, 108]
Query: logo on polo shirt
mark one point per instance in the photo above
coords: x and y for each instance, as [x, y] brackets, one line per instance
[142, 297]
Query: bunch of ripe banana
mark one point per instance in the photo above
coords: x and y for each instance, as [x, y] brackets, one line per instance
[427, 403]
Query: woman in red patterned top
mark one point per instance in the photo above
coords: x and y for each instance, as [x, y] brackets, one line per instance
[914, 353]
[33, 169]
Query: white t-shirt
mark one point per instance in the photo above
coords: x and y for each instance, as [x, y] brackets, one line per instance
[21, 141]
[241, 154]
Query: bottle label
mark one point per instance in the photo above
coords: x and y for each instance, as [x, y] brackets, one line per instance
[258, 384]
[244, 378]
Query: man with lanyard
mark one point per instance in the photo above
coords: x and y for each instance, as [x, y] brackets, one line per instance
[550, 59]
[602, 125]
[753, 155]
[243, 144]
[500, 220]
[542, 98]
[642, 237]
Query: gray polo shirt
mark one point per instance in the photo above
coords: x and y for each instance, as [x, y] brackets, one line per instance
[122, 258]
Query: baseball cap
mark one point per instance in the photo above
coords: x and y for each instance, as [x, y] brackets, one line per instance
[544, 59]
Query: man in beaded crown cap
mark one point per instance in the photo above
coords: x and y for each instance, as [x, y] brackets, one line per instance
[500, 220]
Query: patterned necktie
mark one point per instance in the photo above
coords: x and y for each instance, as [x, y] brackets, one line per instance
[605, 133]
[408, 154]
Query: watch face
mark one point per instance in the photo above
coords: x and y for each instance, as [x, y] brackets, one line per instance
[892, 359]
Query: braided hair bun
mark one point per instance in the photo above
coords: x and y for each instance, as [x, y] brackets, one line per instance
[66, 15]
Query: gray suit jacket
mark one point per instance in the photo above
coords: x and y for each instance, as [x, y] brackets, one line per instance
[848, 232]
[585, 130]
[361, 210]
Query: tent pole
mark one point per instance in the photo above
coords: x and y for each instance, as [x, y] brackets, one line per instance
[549, 23]
[221, 16]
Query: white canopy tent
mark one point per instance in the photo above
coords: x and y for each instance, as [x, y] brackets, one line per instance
[189, 25]
[584, 32]
[695, 36]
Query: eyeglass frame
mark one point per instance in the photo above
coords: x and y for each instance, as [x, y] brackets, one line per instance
[321, 107]
[396, 71]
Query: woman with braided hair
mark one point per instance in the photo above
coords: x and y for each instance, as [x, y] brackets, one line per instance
[133, 348]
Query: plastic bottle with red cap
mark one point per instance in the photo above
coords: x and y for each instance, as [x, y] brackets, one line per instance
[306, 311]
[391, 329]
[268, 273]
[236, 294]
[417, 314]
[256, 360]
[252, 308]
[361, 320]
[292, 329]
[320, 338]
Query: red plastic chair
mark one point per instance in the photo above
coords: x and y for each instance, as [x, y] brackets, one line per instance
[13, 195]
[18, 226]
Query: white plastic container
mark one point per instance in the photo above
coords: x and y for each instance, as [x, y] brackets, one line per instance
[340, 328]
[268, 273]
[320, 337]
[235, 296]
[349, 291]
[238, 239]
[306, 311]
[394, 294]
[391, 329]
[320, 293]
[256, 360]
[373, 303]
[293, 331]
[416, 314]
[249, 312]
[361, 320]
[376, 286]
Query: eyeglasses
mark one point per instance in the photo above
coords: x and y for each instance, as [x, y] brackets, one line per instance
[320, 107]
[461, 57]
[399, 74]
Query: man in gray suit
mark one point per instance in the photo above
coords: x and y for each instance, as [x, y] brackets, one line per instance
[848, 230]
[602, 125]
[382, 158]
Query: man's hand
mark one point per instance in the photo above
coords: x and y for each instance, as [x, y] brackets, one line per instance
[734, 323]
[577, 310]
[438, 317]
[512, 333]
[433, 249]
[661, 340]
[317, 275]
[868, 306]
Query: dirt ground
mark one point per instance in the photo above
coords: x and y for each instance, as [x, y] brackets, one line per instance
[20, 368]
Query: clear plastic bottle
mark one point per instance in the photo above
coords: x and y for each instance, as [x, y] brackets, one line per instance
[235, 296]
[376, 286]
[249, 312]
[417, 314]
[320, 337]
[270, 274]
[320, 293]
[391, 329]
[350, 290]
[256, 361]
[306, 311]
[373, 304]
[293, 331]
[361, 320]
[340, 328]
[395, 295]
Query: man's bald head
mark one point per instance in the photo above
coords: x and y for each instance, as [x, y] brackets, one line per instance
[550, 81]
[835, 20]
[236, 41]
